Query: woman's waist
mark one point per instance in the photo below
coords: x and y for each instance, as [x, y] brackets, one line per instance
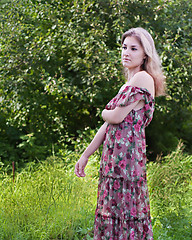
[123, 170]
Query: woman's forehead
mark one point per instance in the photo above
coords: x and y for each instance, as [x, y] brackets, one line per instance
[131, 40]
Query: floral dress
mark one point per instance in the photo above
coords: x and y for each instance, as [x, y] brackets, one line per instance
[123, 210]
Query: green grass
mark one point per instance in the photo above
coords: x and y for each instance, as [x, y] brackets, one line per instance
[170, 188]
[47, 201]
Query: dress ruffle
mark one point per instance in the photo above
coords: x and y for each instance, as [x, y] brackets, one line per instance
[118, 229]
[121, 198]
[130, 95]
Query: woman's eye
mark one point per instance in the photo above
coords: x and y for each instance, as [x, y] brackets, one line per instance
[134, 49]
[124, 47]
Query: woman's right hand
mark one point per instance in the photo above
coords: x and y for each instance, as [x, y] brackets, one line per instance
[80, 166]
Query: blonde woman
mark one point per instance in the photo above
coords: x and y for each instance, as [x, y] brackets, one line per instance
[123, 210]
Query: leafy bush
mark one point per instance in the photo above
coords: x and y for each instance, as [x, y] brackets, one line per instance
[60, 65]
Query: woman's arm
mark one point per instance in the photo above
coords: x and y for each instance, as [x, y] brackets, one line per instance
[93, 146]
[118, 114]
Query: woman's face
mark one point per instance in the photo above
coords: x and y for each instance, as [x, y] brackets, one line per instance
[132, 54]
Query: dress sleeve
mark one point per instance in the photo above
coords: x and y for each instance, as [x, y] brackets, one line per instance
[132, 94]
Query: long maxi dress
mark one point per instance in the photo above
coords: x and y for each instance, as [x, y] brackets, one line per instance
[123, 210]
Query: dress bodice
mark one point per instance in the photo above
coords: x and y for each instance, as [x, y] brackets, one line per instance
[124, 148]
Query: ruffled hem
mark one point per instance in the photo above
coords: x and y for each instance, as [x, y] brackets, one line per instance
[117, 229]
[121, 198]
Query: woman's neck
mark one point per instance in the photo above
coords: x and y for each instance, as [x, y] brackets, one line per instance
[132, 72]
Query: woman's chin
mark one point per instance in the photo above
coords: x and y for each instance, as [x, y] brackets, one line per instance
[126, 65]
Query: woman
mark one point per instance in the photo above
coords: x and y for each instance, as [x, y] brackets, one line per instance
[123, 210]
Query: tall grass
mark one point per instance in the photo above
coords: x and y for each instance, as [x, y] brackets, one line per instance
[47, 201]
[170, 187]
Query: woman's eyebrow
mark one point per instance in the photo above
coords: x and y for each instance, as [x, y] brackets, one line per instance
[133, 45]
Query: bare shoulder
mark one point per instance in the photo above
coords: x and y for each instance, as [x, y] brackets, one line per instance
[143, 80]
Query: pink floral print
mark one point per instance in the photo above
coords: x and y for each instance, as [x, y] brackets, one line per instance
[123, 211]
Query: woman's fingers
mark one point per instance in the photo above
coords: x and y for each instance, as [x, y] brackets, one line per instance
[79, 170]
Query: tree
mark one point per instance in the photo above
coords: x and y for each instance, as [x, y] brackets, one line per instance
[60, 65]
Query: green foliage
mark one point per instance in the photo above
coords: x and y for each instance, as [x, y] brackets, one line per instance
[9, 138]
[60, 64]
[29, 149]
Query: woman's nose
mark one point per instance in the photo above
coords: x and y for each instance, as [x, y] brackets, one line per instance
[126, 52]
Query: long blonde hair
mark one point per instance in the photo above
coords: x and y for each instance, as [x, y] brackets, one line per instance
[152, 63]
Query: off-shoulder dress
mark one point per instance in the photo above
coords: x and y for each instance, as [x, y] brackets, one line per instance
[123, 210]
